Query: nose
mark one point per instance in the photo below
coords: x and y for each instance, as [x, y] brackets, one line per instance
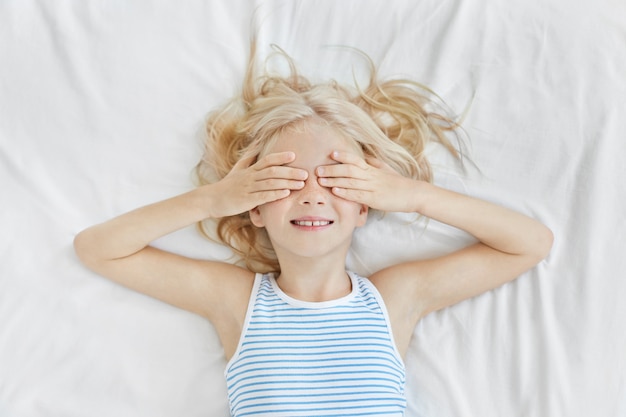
[312, 193]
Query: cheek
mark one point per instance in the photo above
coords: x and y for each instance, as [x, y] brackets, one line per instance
[267, 213]
[358, 211]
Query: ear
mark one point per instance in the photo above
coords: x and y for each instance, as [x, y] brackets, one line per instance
[255, 217]
[362, 215]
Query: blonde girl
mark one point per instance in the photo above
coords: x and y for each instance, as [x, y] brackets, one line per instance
[290, 170]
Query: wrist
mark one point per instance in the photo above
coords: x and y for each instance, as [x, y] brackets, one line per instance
[203, 201]
[419, 196]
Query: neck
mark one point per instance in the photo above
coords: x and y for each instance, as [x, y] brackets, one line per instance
[314, 279]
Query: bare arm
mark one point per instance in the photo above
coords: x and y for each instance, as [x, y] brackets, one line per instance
[119, 248]
[509, 242]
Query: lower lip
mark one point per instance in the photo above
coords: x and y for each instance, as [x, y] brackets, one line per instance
[311, 228]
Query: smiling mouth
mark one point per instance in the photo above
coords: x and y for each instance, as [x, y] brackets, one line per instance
[311, 223]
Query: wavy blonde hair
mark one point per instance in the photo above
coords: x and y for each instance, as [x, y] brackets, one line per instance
[390, 120]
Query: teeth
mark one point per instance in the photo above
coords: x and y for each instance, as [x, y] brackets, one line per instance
[310, 223]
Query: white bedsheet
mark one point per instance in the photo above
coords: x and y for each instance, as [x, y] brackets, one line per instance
[101, 103]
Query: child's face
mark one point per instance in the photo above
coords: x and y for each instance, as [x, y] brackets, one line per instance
[311, 222]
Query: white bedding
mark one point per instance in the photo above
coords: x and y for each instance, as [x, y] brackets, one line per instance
[101, 104]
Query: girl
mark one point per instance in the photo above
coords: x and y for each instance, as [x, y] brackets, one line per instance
[290, 170]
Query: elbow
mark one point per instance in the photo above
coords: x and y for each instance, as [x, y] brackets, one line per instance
[85, 249]
[542, 243]
[80, 247]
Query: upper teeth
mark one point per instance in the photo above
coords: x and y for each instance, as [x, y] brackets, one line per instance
[312, 223]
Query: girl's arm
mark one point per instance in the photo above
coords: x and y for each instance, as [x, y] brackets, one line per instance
[119, 248]
[509, 242]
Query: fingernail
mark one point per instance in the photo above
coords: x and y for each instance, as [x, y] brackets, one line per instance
[320, 171]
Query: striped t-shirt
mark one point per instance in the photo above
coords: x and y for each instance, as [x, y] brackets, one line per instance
[332, 358]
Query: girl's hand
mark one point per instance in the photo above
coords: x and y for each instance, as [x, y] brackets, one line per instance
[368, 181]
[250, 185]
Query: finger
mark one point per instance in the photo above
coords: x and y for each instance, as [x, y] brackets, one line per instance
[258, 199]
[345, 183]
[358, 196]
[377, 163]
[340, 170]
[269, 196]
[282, 172]
[278, 184]
[273, 159]
[349, 158]
[244, 162]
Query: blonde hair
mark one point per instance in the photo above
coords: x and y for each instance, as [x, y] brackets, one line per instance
[389, 120]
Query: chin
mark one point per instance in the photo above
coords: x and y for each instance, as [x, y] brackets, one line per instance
[312, 250]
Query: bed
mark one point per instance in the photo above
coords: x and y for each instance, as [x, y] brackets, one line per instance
[101, 111]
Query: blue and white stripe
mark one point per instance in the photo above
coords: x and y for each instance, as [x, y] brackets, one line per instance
[334, 358]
